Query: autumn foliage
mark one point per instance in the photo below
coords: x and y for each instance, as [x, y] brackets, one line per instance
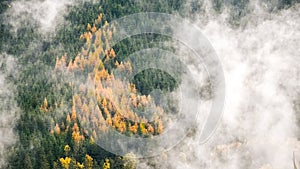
[102, 100]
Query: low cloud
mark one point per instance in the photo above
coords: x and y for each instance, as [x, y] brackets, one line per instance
[47, 14]
[8, 106]
[261, 62]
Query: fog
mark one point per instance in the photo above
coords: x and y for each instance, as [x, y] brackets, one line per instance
[9, 110]
[261, 64]
[260, 58]
[45, 14]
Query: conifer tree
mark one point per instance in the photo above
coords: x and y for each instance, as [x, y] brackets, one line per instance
[27, 162]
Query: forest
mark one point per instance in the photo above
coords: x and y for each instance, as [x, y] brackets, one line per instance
[50, 134]
[62, 119]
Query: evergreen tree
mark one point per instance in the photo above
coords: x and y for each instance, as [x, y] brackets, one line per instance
[27, 162]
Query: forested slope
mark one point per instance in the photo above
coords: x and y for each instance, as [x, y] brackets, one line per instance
[60, 122]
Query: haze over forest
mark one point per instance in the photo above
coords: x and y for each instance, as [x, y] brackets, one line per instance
[70, 92]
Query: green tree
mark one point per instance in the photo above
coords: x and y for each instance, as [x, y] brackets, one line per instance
[42, 160]
[27, 162]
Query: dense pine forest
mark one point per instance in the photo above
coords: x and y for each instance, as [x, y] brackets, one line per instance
[61, 119]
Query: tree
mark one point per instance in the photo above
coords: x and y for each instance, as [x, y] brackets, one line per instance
[27, 162]
[65, 162]
[43, 162]
[88, 161]
[88, 27]
[106, 164]
[68, 119]
[67, 149]
[57, 129]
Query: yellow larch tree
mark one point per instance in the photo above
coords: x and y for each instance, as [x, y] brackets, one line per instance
[88, 161]
[57, 129]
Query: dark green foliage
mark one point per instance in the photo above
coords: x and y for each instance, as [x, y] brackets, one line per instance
[43, 161]
[27, 162]
[286, 3]
[151, 79]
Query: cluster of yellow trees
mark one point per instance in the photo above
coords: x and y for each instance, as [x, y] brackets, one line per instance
[69, 162]
[103, 101]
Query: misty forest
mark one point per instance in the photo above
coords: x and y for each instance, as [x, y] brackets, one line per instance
[64, 87]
